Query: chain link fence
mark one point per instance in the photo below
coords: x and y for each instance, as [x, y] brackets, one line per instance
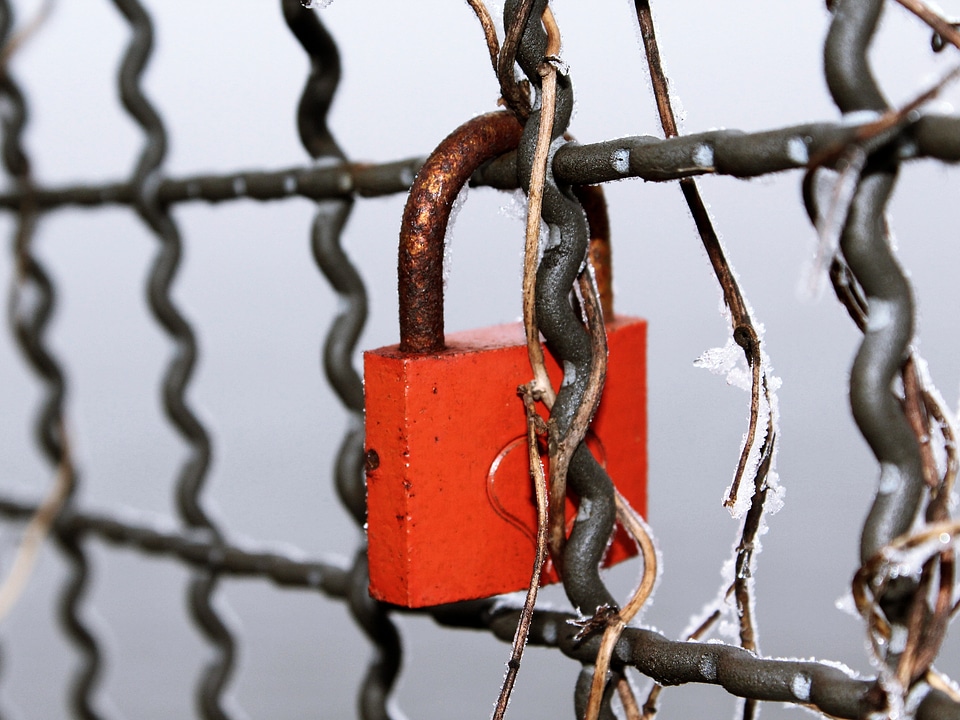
[204, 245]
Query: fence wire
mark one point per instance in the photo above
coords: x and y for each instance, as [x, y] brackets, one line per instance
[867, 275]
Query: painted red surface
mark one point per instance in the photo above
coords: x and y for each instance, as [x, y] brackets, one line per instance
[450, 504]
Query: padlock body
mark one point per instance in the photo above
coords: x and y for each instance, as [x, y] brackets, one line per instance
[450, 504]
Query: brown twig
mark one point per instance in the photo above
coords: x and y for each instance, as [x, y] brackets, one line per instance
[543, 390]
[19, 39]
[937, 681]
[41, 522]
[940, 25]
[539, 389]
[613, 620]
[750, 344]
[628, 700]
[917, 616]
[829, 225]
[489, 30]
[36, 532]
[927, 626]
[916, 414]
[889, 120]
[743, 331]
[873, 575]
[599, 254]
[937, 510]
[535, 426]
[516, 95]
[744, 334]
[848, 292]
[562, 448]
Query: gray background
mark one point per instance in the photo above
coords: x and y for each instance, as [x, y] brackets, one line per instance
[226, 78]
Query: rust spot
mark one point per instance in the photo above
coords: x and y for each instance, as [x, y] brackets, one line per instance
[371, 460]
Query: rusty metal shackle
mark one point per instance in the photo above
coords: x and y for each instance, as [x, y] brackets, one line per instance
[427, 212]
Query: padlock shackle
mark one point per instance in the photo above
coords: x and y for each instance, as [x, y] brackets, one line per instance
[425, 217]
[427, 212]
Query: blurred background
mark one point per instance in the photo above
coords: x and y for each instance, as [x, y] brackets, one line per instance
[226, 78]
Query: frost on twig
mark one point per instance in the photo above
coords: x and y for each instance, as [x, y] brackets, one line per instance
[729, 362]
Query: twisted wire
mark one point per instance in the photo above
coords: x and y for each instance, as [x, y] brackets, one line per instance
[563, 259]
[285, 567]
[717, 152]
[31, 306]
[341, 342]
[890, 309]
[740, 672]
[216, 674]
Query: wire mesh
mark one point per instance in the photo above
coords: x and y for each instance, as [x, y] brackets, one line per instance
[880, 293]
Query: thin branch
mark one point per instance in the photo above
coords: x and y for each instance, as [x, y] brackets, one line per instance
[36, 531]
[539, 389]
[744, 334]
[940, 25]
[516, 95]
[616, 621]
[28, 31]
[535, 426]
[916, 414]
[543, 389]
[42, 520]
[890, 120]
[489, 30]
[830, 224]
[628, 699]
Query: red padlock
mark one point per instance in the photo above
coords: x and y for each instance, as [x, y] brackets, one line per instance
[450, 505]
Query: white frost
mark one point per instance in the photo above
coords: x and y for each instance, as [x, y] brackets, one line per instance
[727, 361]
[898, 639]
[846, 604]
[707, 665]
[859, 117]
[909, 561]
[833, 201]
[880, 314]
[26, 301]
[797, 150]
[890, 479]
[550, 633]
[916, 696]
[620, 160]
[448, 236]
[703, 156]
[585, 510]
[730, 361]
[800, 687]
